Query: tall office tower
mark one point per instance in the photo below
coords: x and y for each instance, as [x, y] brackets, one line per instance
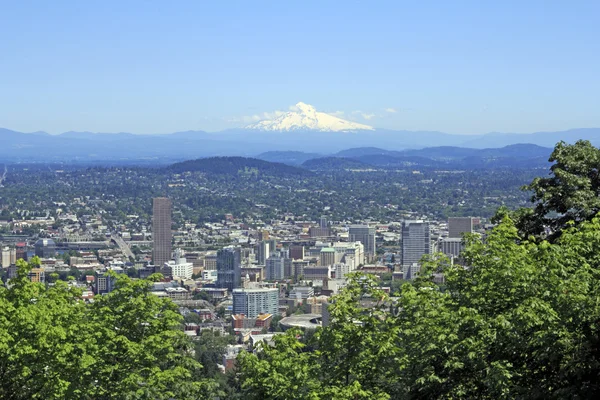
[229, 268]
[252, 302]
[323, 222]
[275, 268]
[459, 225]
[416, 242]
[161, 230]
[263, 252]
[365, 235]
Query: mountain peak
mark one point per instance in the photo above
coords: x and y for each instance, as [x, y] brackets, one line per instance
[306, 108]
[306, 117]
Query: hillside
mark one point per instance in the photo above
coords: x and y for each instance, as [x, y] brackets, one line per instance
[334, 163]
[237, 165]
[287, 157]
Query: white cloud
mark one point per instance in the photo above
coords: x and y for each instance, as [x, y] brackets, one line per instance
[391, 110]
[273, 115]
[367, 116]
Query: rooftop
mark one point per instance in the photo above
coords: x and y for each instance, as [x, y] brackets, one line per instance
[302, 321]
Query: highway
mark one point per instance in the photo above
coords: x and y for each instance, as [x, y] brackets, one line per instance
[122, 245]
[3, 177]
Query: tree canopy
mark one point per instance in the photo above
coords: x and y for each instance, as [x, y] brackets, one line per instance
[126, 345]
[571, 194]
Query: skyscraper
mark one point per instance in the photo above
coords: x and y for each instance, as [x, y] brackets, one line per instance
[459, 225]
[416, 241]
[229, 268]
[365, 235]
[275, 268]
[161, 230]
[323, 222]
[264, 251]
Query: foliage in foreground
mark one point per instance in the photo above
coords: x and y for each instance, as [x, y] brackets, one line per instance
[126, 345]
[521, 322]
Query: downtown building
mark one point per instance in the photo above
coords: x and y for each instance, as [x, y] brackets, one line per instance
[416, 242]
[252, 302]
[161, 230]
[365, 235]
[180, 267]
[229, 268]
[457, 226]
[278, 268]
[452, 247]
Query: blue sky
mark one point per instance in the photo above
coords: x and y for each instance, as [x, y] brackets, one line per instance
[156, 67]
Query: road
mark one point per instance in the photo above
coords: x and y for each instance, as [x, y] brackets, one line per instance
[3, 177]
[122, 245]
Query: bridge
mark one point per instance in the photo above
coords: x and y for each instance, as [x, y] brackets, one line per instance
[122, 245]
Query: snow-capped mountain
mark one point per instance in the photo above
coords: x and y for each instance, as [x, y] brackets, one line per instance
[308, 118]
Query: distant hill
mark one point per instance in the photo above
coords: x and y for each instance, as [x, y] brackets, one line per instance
[452, 153]
[367, 151]
[287, 157]
[512, 156]
[389, 161]
[167, 148]
[236, 166]
[333, 163]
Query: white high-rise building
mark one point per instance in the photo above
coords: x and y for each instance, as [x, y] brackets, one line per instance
[416, 242]
[252, 302]
[179, 268]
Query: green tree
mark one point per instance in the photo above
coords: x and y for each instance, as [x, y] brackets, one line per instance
[279, 372]
[570, 195]
[127, 344]
[209, 349]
